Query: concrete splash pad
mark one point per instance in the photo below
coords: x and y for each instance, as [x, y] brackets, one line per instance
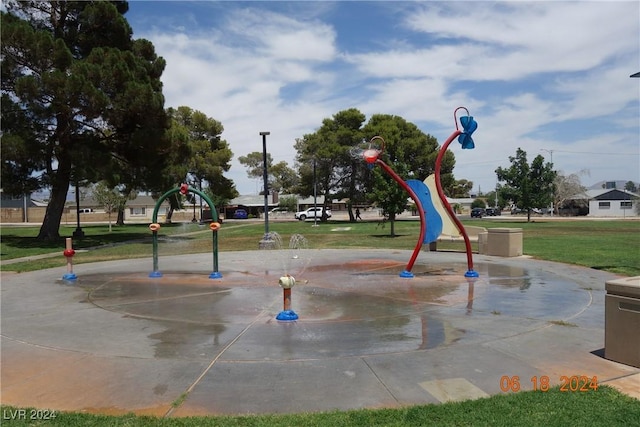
[118, 341]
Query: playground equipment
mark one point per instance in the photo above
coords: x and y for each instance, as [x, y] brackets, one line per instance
[295, 259]
[424, 199]
[69, 253]
[214, 226]
[287, 314]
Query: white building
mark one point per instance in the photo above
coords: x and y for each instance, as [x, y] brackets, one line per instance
[612, 203]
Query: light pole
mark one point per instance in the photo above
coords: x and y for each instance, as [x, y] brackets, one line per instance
[78, 233]
[265, 179]
[552, 195]
[315, 196]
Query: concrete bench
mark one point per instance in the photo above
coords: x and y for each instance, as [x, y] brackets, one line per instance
[472, 232]
[505, 242]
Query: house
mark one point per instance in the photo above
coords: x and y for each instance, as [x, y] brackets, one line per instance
[611, 202]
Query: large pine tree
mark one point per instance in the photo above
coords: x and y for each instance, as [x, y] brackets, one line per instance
[81, 99]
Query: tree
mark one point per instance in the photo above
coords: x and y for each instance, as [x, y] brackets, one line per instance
[176, 167]
[284, 179]
[280, 177]
[108, 198]
[478, 203]
[569, 188]
[411, 154]
[254, 164]
[527, 186]
[630, 186]
[388, 195]
[290, 203]
[460, 188]
[79, 89]
[201, 156]
[324, 159]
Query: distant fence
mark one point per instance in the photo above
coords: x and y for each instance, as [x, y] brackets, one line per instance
[35, 215]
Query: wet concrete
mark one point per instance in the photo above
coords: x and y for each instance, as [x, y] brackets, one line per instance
[117, 341]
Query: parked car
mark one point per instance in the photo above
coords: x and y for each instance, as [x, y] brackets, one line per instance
[240, 214]
[477, 212]
[311, 213]
[493, 212]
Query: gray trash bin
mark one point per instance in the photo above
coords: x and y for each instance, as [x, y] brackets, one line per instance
[622, 321]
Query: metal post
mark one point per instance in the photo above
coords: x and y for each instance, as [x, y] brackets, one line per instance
[78, 233]
[552, 195]
[315, 196]
[25, 215]
[265, 178]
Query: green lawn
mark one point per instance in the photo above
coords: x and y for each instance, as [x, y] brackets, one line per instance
[607, 245]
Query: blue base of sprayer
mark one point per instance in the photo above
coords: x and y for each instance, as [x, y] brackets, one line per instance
[406, 274]
[287, 316]
[215, 275]
[69, 276]
[471, 273]
[155, 274]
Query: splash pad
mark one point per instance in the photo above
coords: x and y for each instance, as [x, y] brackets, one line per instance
[117, 341]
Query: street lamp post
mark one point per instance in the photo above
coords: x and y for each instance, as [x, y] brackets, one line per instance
[552, 195]
[78, 233]
[315, 196]
[266, 240]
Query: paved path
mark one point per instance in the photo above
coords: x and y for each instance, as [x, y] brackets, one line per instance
[117, 341]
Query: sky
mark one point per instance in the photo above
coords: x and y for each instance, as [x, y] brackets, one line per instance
[550, 77]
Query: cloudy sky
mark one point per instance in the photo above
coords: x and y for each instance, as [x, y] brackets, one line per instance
[547, 76]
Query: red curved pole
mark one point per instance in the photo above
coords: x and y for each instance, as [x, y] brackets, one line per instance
[412, 194]
[445, 202]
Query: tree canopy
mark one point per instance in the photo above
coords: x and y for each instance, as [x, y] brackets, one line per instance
[326, 156]
[79, 96]
[210, 155]
[280, 176]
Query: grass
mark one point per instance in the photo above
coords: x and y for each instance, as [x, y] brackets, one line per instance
[608, 245]
[612, 246]
[604, 407]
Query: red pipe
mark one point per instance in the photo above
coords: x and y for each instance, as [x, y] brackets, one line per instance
[446, 204]
[412, 194]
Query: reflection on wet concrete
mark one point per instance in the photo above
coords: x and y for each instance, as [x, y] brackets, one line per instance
[347, 309]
